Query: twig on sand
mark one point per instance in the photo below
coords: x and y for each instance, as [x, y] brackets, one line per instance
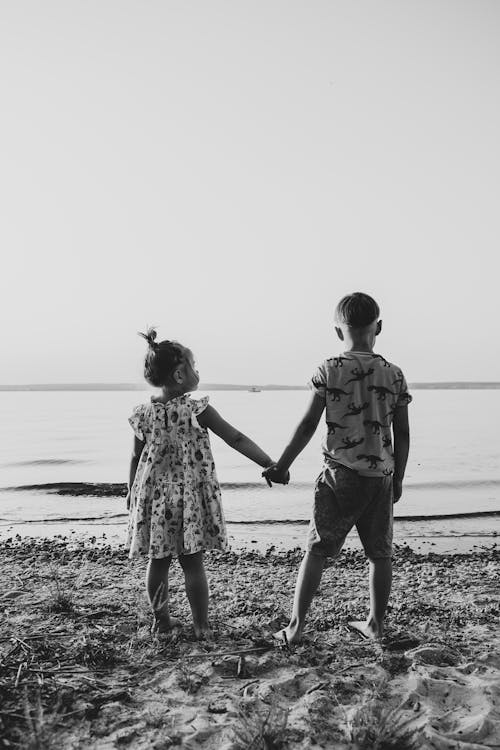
[352, 666]
[18, 675]
[233, 652]
[35, 637]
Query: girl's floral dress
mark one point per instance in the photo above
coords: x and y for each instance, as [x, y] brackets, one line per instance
[175, 504]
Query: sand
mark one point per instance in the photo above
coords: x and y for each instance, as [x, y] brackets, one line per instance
[79, 667]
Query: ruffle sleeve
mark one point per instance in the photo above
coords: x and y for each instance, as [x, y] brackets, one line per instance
[197, 407]
[318, 382]
[138, 421]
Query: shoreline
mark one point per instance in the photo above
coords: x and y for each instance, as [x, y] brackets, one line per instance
[463, 535]
[82, 670]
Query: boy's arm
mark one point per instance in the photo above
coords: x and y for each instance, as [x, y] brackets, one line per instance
[134, 462]
[401, 431]
[300, 438]
[234, 438]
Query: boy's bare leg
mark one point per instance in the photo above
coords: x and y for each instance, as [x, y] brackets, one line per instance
[380, 579]
[308, 580]
[157, 588]
[197, 592]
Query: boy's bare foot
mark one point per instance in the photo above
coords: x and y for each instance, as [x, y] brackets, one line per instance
[165, 624]
[203, 632]
[366, 629]
[288, 636]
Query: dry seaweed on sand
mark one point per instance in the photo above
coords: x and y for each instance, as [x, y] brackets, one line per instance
[90, 674]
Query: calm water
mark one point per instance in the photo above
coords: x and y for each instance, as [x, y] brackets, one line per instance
[84, 437]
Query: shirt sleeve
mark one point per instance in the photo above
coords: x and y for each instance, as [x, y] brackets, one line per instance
[197, 407]
[318, 382]
[137, 421]
[404, 397]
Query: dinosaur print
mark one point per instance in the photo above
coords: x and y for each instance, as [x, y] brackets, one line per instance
[372, 460]
[391, 411]
[355, 410]
[399, 378]
[381, 391]
[359, 374]
[336, 393]
[386, 441]
[339, 361]
[348, 443]
[384, 361]
[332, 426]
[375, 425]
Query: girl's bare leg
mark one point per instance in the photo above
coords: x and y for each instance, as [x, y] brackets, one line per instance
[157, 588]
[197, 592]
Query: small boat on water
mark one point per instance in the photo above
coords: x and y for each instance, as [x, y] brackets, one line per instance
[254, 389]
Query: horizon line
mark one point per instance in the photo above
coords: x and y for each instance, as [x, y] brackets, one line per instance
[254, 387]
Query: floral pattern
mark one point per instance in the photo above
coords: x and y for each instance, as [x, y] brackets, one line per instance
[176, 504]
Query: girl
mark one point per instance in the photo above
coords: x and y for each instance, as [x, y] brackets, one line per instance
[174, 496]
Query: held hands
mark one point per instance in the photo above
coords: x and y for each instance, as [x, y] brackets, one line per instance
[273, 474]
[127, 500]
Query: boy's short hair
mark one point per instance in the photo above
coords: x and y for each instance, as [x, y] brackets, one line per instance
[357, 310]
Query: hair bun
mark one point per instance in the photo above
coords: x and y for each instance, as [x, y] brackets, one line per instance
[150, 337]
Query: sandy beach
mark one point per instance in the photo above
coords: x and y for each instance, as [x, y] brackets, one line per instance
[79, 667]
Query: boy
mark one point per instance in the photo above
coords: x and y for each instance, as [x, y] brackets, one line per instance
[364, 395]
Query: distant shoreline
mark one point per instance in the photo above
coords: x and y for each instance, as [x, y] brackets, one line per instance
[254, 388]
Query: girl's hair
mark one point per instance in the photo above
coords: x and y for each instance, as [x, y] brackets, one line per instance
[161, 359]
[357, 310]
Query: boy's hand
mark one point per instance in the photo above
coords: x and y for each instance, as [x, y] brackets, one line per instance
[397, 488]
[272, 474]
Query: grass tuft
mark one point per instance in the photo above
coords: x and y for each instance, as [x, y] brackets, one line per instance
[373, 726]
[40, 722]
[260, 726]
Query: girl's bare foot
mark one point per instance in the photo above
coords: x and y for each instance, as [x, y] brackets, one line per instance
[162, 624]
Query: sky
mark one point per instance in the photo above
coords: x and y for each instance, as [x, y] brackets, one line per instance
[228, 170]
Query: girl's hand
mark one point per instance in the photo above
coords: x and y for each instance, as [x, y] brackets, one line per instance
[273, 474]
[127, 500]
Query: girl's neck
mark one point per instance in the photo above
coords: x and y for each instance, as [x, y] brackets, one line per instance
[167, 394]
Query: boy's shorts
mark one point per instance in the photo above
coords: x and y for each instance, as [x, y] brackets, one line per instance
[343, 498]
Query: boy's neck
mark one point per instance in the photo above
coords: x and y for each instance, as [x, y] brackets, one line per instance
[360, 346]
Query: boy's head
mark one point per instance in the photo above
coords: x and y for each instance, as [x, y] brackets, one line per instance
[358, 313]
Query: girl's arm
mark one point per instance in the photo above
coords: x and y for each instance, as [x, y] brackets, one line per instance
[212, 419]
[300, 438]
[134, 462]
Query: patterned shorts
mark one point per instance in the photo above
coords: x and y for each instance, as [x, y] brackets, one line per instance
[343, 499]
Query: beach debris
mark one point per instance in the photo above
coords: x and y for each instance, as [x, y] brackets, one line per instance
[436, 654]
[241, 669]
[129, 689]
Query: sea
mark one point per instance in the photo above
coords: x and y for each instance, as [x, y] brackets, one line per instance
[53, 441]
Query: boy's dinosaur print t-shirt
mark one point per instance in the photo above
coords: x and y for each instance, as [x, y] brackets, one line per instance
[361, 391]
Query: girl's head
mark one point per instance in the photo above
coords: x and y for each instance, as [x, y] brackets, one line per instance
[169, 365]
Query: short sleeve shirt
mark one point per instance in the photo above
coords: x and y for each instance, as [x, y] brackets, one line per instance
[361, 391]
